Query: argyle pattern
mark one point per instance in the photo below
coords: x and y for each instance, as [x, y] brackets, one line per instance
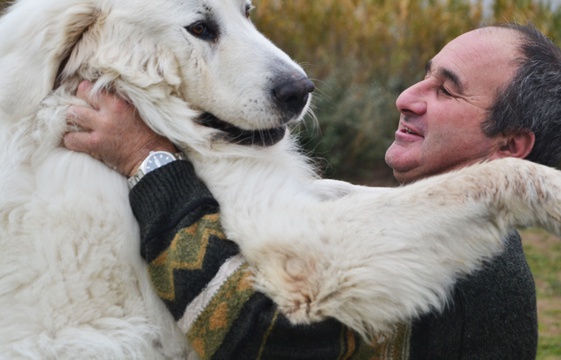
[235, 314]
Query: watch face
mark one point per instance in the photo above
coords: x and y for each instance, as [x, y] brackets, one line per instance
[157, 159]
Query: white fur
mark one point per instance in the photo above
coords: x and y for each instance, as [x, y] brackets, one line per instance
[72, 283]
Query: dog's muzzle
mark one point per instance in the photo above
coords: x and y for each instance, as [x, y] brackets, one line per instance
[233, 134]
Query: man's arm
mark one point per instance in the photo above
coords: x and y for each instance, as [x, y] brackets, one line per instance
[206, 284]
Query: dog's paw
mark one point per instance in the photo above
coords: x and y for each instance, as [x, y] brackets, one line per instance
[311, 286]
[301, 302]
[291, 282]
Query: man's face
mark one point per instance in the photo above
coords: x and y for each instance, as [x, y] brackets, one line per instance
[441, 116]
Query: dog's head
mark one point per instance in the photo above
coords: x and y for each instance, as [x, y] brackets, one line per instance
[187, 65]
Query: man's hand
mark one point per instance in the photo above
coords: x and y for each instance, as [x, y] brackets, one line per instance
[111, 131]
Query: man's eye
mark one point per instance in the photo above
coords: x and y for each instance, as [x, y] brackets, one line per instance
[443, 91]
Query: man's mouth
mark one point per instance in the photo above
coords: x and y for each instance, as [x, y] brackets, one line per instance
[236, 135]
[408, 131]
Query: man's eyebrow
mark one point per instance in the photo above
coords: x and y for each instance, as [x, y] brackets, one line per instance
[448, 74]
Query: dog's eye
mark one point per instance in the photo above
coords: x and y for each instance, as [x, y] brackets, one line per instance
[248, 10]
[202, 31]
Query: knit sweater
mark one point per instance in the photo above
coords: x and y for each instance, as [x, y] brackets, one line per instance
[205, 283]
[492, 315]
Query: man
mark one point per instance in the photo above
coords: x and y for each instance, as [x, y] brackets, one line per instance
[442, 127]
[488, 94]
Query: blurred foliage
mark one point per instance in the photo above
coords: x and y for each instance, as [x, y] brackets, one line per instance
[363, 53]
[543, 252]
[3, 4]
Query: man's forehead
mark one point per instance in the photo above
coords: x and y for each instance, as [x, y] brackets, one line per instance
[489, 44]
[484, 55]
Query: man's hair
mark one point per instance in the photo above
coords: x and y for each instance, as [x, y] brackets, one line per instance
[532, 100]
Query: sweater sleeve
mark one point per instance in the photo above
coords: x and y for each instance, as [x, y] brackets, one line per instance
[205, 282]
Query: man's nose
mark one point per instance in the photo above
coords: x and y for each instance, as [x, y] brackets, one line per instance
[412, 101]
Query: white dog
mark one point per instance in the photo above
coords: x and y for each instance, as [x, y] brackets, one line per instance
[72, 283]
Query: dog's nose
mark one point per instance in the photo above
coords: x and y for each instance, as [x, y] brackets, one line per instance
[292, 95]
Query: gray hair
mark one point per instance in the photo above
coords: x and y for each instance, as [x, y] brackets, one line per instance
[532, 100]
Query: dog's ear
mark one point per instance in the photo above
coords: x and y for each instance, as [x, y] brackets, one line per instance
[36, 38]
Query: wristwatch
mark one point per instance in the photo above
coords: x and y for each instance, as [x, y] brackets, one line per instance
[155, 160]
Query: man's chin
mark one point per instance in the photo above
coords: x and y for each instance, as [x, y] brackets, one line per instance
[397, 155]
[402, 162]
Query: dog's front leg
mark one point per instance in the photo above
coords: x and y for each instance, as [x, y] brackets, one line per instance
[372, 260]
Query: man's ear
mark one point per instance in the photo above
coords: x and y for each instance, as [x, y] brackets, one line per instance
[518, 145]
